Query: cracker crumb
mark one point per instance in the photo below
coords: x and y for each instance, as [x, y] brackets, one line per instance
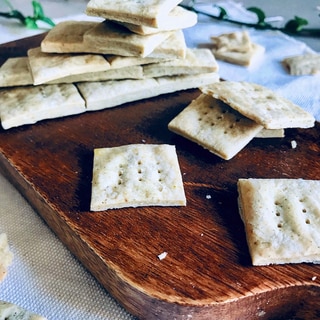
[162, 255]
[314, 278]
[208, 196]
[293, 144]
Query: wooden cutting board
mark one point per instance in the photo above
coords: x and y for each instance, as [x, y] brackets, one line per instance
[207, 273]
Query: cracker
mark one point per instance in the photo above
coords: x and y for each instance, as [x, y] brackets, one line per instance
[174, 47]
[237, 48]
[305, 64]
[27, 105]
[46, 67]
[108, 94]
[15, 72]
[196, 61]
[132, 72]
[177, 19]
[271, 133]
[281, 219]
[110, 38]
[232, 42]
[241, 58]
[67, 36]
[11, 311]
[260, 104]
[136, 175]
[215, 126]
[6, 256]
[152, 13]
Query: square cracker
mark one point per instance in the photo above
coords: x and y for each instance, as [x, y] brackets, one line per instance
[136, 175]
[281, 219]
[260, 104]
[177, 19]
[215, 126]
[67, 36]
[15, 72]
[151, 13]
[305, 64]
[6, 256]
[110, 38]
[47, 67]
[27, 105]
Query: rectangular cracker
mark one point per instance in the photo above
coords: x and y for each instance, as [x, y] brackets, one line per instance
[196, 61]
[260, 104]
[132, 72]
[215, 126]
[304, 64]
[108, 94]
[67, 36]
[15, 72]
[46, 67]
[281, 219]
[136, 175]
[271, 133]
[177, 19]
[27, 105]
[6, 256]
[152, 13]
[110, 38]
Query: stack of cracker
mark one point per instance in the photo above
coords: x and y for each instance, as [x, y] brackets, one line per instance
[229, 114]
[136, 51]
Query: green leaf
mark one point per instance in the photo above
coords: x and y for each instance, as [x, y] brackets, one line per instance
[47, 21]
[223, 13]
[296, 24]
[30, 23]
[37, 10]
[260, 14]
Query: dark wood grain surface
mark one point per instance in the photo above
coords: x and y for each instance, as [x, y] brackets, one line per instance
[207, 273]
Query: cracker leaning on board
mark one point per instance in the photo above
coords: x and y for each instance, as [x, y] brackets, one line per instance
[88, 66]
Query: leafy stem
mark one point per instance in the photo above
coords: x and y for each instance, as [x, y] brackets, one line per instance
[294, 26]
[28, 21]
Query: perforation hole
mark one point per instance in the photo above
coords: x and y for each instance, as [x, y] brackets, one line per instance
[308, 221]
[279, 225]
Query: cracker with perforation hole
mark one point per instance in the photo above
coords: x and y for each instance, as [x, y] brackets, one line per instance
[304, 64]
[110, 38]
[177, 19]
[281, 219]
[47, 67]
[260, 104]
[15, 72]
[6, 256]
[215, 126]
[27, 105]
[196, 61]
[136, 175]
[151, 13]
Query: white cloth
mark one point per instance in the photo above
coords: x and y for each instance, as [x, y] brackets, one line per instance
[45, 277]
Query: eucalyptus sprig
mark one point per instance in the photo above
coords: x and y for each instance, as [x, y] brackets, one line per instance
[293, 26]
[28, 21]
